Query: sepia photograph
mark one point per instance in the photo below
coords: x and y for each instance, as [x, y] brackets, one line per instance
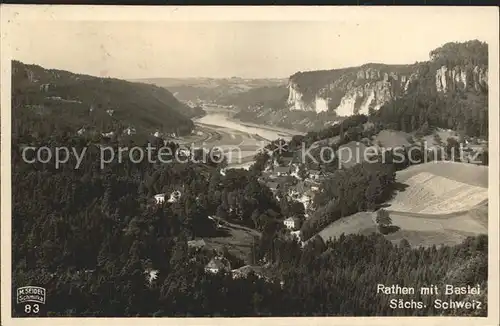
[249, 162]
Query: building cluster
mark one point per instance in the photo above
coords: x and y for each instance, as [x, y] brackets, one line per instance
[283, 179]
[172, 198]
[474, 150]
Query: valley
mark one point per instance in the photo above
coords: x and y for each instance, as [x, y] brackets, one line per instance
[288, 230]
[313, 100]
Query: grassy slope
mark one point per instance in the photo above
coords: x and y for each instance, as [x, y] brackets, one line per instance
[236, 238]
[392, 138]
[475, 175]
[425, 229]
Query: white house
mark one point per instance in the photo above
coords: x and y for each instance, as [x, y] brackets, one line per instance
[291, 223]
[108, 134]
[314, 174]
[157, 134]
[110, 112]
[218, 264]
[160, 199]
[174, 196]
[184, 152]
[151, 275]
[81, 131]
[296, 234]
[294, 168]
[273, 186]
[314, 188]
[281, 171]
[129, 131]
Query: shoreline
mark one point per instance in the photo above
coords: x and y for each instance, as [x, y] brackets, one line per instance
[289, 133]
[268, 127]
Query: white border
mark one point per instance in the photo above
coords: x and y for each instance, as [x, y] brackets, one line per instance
[11, 14]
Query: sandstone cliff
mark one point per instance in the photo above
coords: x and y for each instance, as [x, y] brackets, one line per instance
[347, 91]
[318, 98]
[359, 90]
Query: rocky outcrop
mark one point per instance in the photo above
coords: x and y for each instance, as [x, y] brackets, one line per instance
[354, 90]
[460, 78]
[318, 98]
[363, 89]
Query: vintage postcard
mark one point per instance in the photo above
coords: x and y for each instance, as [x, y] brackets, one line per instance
[281, 165]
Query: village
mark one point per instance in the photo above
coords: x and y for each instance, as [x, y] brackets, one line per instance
[281, 176]
[289, 179]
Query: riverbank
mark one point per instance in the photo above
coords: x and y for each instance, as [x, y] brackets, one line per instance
[288, 132]
[228, 123]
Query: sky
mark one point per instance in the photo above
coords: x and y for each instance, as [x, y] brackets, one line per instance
[132, 49]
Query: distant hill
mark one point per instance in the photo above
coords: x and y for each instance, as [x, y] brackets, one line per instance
[268, 96]
[211, 89]
[73, 101]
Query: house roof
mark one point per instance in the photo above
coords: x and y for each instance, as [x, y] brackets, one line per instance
[282, 169]
[291, 219]
[196, 243]
[299, 187]
[287, 160]
[247, 269]
[272, 185]
[311, 183]
[218, 263]
[282, 179]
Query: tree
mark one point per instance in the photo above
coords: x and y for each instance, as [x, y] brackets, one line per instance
[437, 139]
[404, 244]
[383, 218]
[453, 149]
[484, 157]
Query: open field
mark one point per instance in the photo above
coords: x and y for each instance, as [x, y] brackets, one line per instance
[236, 238]
[443, 203]
[417, 229]
[433, 194]
[443, 135]
[392, 138]
[475, 175]
[361, 223]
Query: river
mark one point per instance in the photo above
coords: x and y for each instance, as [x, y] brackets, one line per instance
[266, 132]
[233, 132]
